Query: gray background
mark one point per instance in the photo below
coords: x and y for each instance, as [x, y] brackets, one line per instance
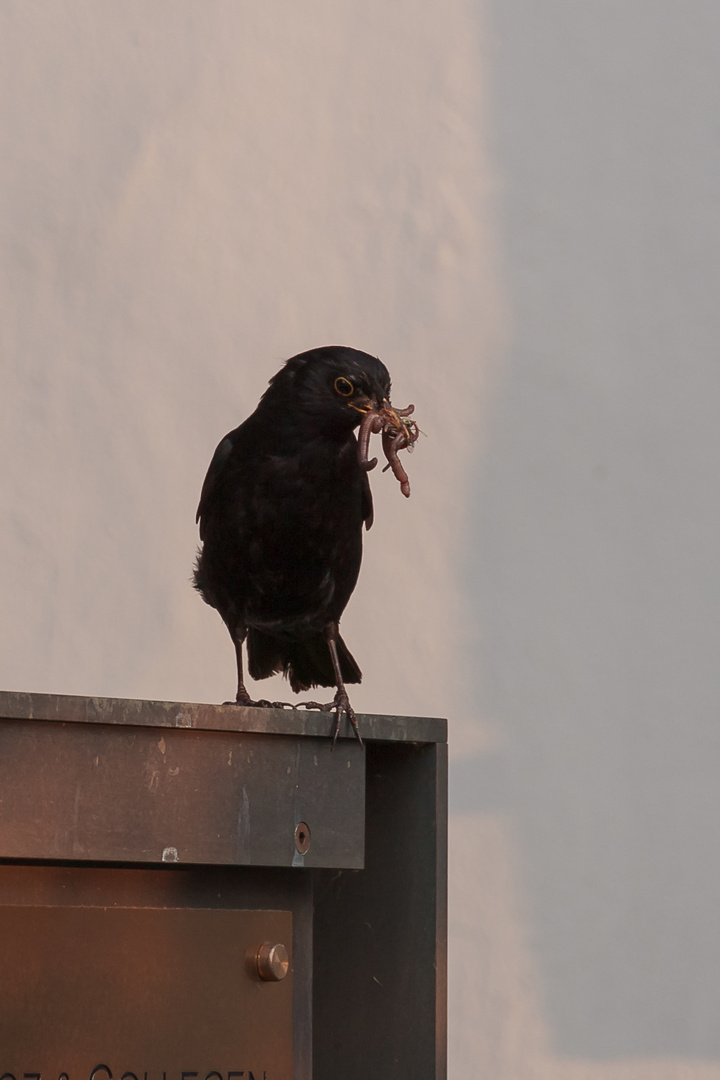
[517, 205]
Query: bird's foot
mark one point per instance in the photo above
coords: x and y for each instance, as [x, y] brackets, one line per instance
[263, 703]
[341, 705]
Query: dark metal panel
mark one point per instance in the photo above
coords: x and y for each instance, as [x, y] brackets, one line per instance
[142, 990]
[97, 781]
[134, 794]
[93, 710]
[174, 887]
[380, 936]
[441, 909]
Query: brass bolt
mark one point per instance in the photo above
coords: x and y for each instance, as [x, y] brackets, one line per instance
[302, 838]
[272, 962]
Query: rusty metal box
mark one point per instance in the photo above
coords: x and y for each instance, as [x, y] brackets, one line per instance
[149, 849]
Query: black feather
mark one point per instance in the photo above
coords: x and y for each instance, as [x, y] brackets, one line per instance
[281, 515]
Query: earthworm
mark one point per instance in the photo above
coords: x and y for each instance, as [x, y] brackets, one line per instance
[397, 433]
[391, 444]
[372, 422]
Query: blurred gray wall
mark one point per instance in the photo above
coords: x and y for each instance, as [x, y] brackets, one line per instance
[593, 552]
[517, 206]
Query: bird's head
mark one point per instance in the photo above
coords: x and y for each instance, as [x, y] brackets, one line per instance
[334, 386]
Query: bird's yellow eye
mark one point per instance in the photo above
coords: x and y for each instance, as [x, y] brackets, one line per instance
[344, 387]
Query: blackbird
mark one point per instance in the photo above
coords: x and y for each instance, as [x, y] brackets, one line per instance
[281, 515]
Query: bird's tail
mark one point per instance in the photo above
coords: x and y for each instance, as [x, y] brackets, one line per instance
[306, 661]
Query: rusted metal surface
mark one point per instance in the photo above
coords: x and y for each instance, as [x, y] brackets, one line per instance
[174, 714]
[213, 888]
[122, 990]
[133, 794]
[250, 809]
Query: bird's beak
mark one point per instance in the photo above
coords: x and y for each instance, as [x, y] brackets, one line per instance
[393, 420]
[363, 404]
[389, 413]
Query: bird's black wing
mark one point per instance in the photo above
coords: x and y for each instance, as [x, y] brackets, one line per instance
[210, 484]
[368, 512]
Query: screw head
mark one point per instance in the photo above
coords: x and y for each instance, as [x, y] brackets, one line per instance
[302, 837]
[272, 962]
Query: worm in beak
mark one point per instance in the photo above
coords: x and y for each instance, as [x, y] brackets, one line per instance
[397, 433]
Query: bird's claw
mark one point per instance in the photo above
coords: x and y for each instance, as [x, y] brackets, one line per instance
[341, 704]
[263, 703]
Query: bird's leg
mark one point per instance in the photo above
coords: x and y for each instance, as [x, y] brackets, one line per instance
[341, 704]
[242, 697]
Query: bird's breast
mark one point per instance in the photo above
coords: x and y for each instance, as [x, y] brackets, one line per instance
[283, 543]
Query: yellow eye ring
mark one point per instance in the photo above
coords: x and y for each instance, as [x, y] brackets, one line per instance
[344, 386]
